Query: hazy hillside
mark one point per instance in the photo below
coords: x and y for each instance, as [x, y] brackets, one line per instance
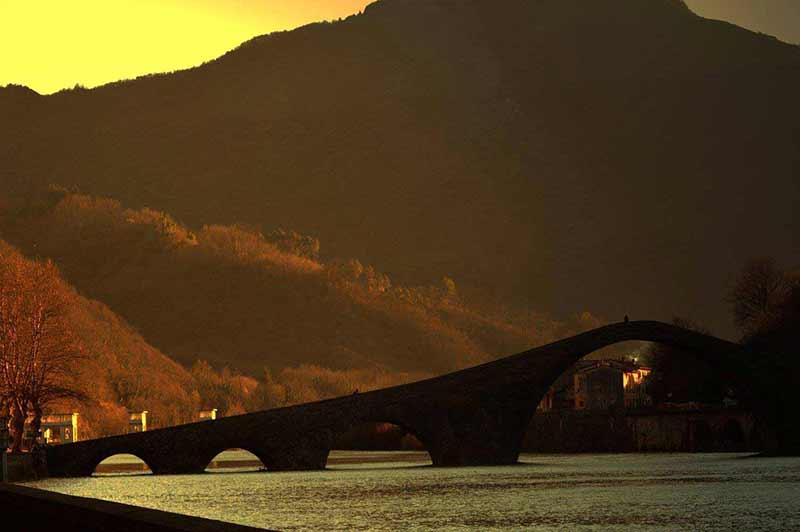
[232, 296]
[622, 156]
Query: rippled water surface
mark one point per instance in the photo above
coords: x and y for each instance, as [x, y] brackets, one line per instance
[401, 491]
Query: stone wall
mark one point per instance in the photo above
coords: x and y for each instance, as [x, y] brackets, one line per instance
[644, 431]
[23, 467]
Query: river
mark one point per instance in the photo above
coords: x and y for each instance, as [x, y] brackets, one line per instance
[401, 491]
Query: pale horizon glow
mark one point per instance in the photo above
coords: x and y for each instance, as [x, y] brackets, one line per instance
[51, 45]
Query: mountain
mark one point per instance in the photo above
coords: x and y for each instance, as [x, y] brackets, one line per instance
[621, 156]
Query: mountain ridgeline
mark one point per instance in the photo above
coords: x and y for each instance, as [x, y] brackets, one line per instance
[622, 156]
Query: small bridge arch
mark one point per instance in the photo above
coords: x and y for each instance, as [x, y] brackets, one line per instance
[132, 464]
[248, 459]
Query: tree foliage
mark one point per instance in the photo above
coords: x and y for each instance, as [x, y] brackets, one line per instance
[97, 365]
[39, 354]
[758, 295]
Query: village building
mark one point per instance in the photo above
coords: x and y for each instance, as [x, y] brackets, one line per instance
[55, 429]
[599, 385]
[206, 415]
[635, 384]
[137, 421]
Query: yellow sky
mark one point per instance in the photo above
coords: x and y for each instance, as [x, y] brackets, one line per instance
[52, 44]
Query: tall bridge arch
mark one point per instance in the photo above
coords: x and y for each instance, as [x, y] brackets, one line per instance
[476, 416]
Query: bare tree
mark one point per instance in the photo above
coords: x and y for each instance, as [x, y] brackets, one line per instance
[757, 294]
[38, 354]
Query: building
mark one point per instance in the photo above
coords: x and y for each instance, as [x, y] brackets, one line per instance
[206, 415]
[634, 382]
[60, 428]
[599, 385]
[56, 429]
[137, 421]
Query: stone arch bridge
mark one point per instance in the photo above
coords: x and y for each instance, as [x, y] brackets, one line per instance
[476, 416]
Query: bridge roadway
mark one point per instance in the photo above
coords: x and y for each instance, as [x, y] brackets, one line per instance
[476, 416]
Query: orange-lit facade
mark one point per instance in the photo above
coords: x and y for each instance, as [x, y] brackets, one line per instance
[207, 415]
[56, 429]
[634, 383]
[137, 421]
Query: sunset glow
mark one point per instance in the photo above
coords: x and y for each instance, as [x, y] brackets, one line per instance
[50, 44]
[389, 265]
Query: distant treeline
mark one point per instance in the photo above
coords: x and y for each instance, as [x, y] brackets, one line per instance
[235, 295]
[256, 319]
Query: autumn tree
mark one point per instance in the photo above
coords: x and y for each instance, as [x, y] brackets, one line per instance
[295, 243]
[758, 294]
[38, 353]
[229, 392]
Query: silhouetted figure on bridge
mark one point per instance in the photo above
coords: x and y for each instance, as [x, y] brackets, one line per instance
[627, 320]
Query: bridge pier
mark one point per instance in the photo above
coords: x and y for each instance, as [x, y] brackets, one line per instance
[307, 452]
[179, 463]
[297, 459]
[478, 434]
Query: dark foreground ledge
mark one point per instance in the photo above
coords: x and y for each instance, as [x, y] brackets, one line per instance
[32, 510]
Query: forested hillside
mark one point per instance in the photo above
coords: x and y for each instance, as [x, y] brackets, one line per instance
[115, 370]
[233, 296]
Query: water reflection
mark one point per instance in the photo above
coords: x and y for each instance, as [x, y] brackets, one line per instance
[391, 491]
[122, 464]
[235, 461]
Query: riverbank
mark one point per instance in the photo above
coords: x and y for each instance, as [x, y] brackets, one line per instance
[33, 510]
